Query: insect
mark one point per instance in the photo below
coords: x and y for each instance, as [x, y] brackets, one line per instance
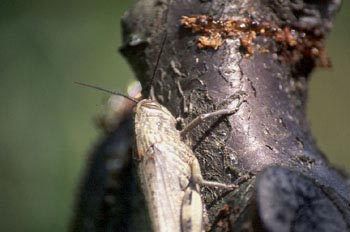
[169, 171]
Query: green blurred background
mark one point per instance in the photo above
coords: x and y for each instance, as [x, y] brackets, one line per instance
[47, 122]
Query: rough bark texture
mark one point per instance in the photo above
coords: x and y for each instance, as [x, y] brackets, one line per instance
[270, 129]
[268, 138]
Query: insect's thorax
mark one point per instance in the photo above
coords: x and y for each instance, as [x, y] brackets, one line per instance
[155, 124]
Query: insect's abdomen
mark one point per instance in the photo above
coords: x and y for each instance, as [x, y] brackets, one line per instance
[164, 177]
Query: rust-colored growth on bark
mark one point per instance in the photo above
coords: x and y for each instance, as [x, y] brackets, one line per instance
[296, 43]
[215, 41]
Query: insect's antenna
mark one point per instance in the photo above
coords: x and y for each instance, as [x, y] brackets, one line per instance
[158, 59]
[107, 91]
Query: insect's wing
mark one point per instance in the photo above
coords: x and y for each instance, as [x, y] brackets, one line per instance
[163, 176]
[192, 210]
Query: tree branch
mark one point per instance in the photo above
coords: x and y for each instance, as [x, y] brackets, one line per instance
[272, 128]
[268, 52]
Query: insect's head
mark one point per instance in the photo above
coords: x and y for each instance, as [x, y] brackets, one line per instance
[148, 108]
[150, 104]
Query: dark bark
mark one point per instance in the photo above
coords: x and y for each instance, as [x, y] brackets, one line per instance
[271, 129]
[268, 138]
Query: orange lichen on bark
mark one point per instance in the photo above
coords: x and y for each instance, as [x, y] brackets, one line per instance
[215, 41]
[295, 43]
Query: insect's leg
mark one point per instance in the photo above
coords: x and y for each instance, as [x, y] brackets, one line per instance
[206, 222]
[201, 118]
[242, 179]
[198, 178]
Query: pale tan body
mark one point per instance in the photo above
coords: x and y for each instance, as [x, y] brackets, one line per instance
[170, 173]
[168, 170]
